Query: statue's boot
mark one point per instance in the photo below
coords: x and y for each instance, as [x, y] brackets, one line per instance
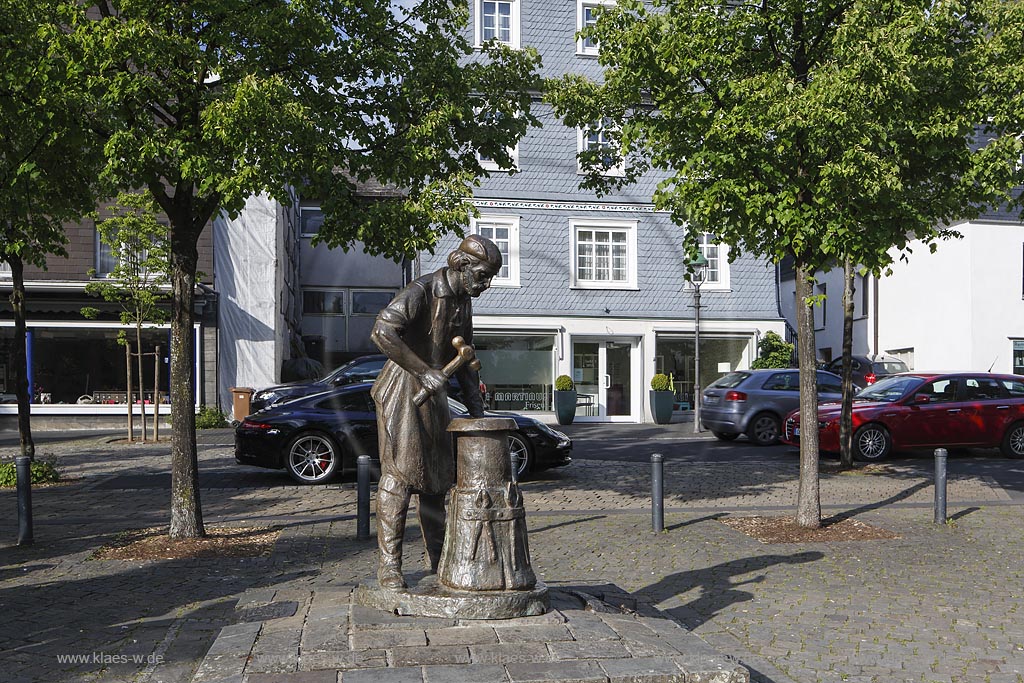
[432, 523]
[392, 508]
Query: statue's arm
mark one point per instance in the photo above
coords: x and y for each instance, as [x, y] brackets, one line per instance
[388, 339]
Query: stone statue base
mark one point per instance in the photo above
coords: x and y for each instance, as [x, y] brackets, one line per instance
[426, 597]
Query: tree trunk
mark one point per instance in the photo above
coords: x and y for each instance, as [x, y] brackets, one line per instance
[142, 385]
[19, 362]
[186, 509]
[128, 387]
[808, 504]
[846, 416]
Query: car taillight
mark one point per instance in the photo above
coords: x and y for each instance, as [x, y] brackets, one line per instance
[256, 426]
[870, 378]
[735, 396]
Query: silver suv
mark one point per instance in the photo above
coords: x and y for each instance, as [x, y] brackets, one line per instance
[754, 402]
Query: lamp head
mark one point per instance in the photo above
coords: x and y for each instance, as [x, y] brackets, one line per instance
[697, 269]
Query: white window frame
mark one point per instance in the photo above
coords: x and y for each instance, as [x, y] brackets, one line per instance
[629, 227]
[581, 6]
[492, 165]
[343, 291]
[5, 270]
[514, 34]
[703, 244]
[302, 233]
[512, 223]
[582, 135]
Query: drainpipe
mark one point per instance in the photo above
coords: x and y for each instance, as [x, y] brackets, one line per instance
[874, 286]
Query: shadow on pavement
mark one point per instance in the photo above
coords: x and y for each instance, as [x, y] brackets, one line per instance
[717, 586]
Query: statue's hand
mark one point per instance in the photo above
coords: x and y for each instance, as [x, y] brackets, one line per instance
[433, 380]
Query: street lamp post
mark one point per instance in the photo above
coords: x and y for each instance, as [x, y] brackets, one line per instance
[698, 271]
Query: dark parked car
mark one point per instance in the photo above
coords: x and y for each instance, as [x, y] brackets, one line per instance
[869, 369]
[317, 437]
[922, 410]
[754, 402]
[358, 370]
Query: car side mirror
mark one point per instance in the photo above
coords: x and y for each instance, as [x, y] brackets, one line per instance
[922, 398]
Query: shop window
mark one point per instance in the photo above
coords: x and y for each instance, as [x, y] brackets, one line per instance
[1018, 357]
[604, 254]
[86, 365]
[517, 369]
[5, 269]
[504, 232]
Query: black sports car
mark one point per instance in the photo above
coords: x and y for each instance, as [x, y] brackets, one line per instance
[316, 438]
[358, 370]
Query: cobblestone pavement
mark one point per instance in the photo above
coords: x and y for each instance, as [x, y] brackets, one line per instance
[941, 603]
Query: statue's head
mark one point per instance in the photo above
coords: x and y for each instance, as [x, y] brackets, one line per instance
[477, 260]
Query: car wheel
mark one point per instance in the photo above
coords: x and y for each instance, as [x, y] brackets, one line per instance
[520, 447]
[764, 429]
[871, 443]
[312, 458]
[725, 436]
[1013, 441]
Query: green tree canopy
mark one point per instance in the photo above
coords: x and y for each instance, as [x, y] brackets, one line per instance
[218, 100]
[49, 157]
[823, 131]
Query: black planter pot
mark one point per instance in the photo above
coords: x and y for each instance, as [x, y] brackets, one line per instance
[662, 403]
[565, 407]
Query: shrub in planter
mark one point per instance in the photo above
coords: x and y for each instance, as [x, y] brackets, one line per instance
[565, 399]
[663, 398]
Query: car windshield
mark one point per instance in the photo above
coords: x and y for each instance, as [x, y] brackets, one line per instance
[888, 367]
[889, 389]
[361, 368]
[731, 380]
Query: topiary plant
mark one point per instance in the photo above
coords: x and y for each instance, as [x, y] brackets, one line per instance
[661, 382]
[564, 383]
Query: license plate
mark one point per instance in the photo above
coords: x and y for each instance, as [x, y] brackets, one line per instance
[710, 399]
[796, 431]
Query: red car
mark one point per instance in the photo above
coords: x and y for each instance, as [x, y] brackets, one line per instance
[926, 410]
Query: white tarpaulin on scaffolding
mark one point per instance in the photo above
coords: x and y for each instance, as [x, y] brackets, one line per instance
[245, 268]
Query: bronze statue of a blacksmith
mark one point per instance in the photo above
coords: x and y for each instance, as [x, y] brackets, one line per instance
[416, 332]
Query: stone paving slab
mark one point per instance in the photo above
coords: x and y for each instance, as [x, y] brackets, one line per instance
[563, 646]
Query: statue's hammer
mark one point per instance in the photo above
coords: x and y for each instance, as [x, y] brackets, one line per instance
[464, 353]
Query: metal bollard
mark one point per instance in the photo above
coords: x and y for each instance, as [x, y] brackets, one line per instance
[515, 466]
[940, 485]
[657, 493]
[23, 472]
[363, 497]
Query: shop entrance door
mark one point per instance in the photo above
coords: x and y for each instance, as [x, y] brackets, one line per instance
[603, 371]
